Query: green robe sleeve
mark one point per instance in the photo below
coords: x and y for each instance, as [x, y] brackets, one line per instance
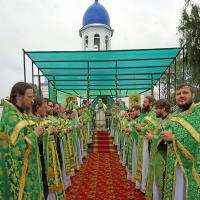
[20, 157]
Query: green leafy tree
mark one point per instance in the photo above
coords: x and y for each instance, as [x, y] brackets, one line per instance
[171, 82]
[189, 31]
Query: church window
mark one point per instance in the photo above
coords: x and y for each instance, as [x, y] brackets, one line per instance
[106, 42]
[86, 43]
[96, 42]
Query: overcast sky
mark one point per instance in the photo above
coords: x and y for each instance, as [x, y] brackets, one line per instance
[54, 25]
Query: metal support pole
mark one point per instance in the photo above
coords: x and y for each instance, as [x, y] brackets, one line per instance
[175, 79]
[56, 93]
[39, 83]
[116, 81]
[24, 59]
[169, 83]
[152, 93]
[49, 89]
[111, 92]
[56, 96]
[183, 78]
[33, 84]
[54, 89]
[88, 83]
[159, 88]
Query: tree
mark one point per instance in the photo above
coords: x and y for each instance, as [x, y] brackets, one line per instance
[189, 31]
[168, 85]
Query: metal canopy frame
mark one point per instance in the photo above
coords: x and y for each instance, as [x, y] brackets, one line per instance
[74, 83]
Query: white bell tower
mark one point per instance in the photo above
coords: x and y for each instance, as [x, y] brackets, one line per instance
[96, 32]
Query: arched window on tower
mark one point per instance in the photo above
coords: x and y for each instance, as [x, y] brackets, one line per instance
[86, 42]
[96, 42]
[107, 42]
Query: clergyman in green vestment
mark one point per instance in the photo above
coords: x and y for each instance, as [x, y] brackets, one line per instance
[158, 151]
[52, 158]
[182, 180]
[20, 170]
[148, 123]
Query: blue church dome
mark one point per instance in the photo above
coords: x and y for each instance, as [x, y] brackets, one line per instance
[96, 13]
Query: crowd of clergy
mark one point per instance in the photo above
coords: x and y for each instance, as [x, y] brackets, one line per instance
[159, 145]
[43, 144]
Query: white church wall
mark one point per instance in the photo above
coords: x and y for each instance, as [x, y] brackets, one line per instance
[90, 31]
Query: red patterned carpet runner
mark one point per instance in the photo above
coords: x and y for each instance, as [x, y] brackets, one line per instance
[103, 143]
[101, 176]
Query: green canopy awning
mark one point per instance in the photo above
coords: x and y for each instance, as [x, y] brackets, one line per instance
[104, 72]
